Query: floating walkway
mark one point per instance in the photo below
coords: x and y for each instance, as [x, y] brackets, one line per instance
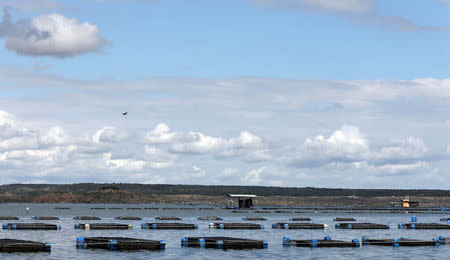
[87, 218]
[128, 218]
[361, 226]
[300, 219]
[167, 218]
[209, 218]
[15, 245]
[239, 211]
[283, 225]
[162, 225]
[326, 242]
[254, 218]
[31, 226]
[9, 218]
[404, 241]
[344, 219]
[98, 226]
[223, 242]
[45, 217]
[225, 225]
[423, 226]
[119, 243]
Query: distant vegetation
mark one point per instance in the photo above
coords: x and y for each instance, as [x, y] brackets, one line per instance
[143, 193]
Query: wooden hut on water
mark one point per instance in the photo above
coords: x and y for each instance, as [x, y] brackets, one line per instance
[244, 201]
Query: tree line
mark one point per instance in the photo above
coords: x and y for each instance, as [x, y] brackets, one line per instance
[30, 190]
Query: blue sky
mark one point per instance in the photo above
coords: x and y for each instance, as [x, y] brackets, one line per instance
[351, 93]
[218, 39]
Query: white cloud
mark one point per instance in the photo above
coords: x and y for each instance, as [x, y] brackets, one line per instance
[6, 118]
[330, 6]
[394, 127]
[398, 168]
[403, 150]
[197, 172]
[109, 134]
[345, 145]
[266, 176]
[356, 11]
[51, 35]
[247, 146]
[53, 154]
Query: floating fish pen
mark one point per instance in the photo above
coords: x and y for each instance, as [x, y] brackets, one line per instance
[283, 211]
[404, 241]
[15, 245]
[119, 243]
[300, 219]
[9, 218]
[361, 226]
[209, 218]
[254, 218]
[45, 218]
[99, 226]
[31, 226]
[152, 208]
[167, 218]
[423, 226]
[128, 218]
[223, 242]
[162, 225]
[326, 242]
[236, 225]
[87, 218]
[344, 219]
[62, 208]
[282, 225]
[98, 208]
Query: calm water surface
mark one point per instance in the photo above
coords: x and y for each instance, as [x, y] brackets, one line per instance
[63, 241]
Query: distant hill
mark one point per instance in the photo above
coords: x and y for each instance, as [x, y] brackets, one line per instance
[143, 193]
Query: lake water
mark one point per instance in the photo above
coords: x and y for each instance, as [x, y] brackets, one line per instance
[63, 241]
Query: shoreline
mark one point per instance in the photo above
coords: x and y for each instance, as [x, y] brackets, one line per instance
[186, 199]
[122, 193]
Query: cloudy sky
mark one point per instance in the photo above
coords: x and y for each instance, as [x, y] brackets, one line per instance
[324, 93]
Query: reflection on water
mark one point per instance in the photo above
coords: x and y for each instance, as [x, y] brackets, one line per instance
[63, 241]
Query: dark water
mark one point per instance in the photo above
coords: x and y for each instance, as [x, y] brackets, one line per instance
[63, 241]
